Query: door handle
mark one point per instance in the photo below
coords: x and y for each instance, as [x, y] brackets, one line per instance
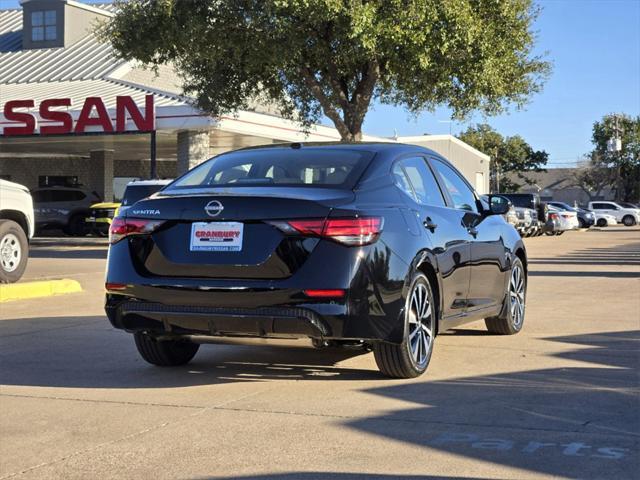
[429, 225]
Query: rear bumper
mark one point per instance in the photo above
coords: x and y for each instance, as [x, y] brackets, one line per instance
[371, 308]
[197, 320]
[321, 320]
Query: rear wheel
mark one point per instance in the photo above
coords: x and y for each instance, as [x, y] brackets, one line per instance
[628, 221]
[76, 226]
[411, 358]
[511, 317]
[165, 353]
[601, 222]
[14, 251]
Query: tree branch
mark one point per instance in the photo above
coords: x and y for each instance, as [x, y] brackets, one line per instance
[328, 108]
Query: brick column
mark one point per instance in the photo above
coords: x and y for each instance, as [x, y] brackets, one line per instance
[193, 149]
[101, 173]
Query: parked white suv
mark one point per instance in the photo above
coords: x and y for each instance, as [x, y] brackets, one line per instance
[16, 228]
[628, 216]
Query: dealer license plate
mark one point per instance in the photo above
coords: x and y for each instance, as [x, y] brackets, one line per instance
[216, 236]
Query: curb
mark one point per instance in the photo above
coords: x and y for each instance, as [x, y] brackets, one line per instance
[46, 288]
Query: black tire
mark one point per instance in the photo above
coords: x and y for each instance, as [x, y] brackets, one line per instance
[507, 322]
[581, 223]
[14, 251]
[628, 221]
[76, 226]
[397, 360]
[601, 222]
[165, 353]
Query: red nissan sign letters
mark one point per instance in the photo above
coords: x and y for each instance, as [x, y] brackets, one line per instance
[93, 114]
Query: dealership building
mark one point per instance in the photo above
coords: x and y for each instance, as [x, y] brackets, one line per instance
[72, 113]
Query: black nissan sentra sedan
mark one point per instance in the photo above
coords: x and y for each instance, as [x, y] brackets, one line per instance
[377, 245]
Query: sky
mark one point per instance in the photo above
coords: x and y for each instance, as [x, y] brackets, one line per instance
[594, 46]
[595, 49]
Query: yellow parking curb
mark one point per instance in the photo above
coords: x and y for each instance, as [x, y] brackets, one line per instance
[45, 288]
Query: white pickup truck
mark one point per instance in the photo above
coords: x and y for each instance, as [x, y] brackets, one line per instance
[628, 216]
[16, 228]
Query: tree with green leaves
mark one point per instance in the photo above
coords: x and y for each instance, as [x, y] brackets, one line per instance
[623, 164]
[335, 57]
[593, 177]
[508, 155]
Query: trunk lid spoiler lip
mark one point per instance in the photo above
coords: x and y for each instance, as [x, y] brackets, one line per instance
[312, 193]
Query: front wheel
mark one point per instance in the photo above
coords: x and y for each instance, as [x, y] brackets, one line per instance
[14, 251]
[411, 358]
[165, 353]
[511, 318]
[628, 221]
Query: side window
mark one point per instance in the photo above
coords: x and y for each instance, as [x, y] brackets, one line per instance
[599, 206]
[462, 196]
[62, 196]
[41, 196]
[413, 174]
[401, 180]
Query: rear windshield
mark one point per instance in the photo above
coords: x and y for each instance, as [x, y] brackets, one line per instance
[133, 193]
[306, 166]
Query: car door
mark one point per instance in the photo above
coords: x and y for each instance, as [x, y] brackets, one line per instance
[443, 229]
[606, 208]
[487, 281]
[41, 199]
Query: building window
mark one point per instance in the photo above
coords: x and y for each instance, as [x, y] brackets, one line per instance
[43, 25]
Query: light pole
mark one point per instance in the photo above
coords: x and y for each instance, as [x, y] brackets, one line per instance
[614, 146]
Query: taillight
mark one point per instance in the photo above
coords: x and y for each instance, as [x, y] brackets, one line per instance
[553, 216]
[354, 231]
[123, 227]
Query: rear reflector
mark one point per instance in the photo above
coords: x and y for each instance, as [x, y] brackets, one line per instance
[355, 231]
[336, 293]
[121, 227]
[115, 286]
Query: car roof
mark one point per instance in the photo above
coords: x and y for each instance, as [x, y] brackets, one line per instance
[373, 147]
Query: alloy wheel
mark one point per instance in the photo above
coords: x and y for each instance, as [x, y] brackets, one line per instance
[10, 252]
[420, 314]
[517, 296]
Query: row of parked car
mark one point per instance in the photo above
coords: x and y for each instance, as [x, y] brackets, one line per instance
[78, 211]
[532, 217]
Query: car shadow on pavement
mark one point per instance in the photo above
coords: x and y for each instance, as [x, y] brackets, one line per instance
[575, 422]
[627, 255]
[79, 253]
[86, 352]
[334, 476]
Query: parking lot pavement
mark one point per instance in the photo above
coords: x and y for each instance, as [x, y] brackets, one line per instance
[561, 399]
[82, 259]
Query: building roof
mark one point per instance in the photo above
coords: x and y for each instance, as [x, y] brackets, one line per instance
[79, 90]
[551, 179]
[87, 59]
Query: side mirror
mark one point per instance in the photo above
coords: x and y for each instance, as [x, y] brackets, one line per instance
[498, 205]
